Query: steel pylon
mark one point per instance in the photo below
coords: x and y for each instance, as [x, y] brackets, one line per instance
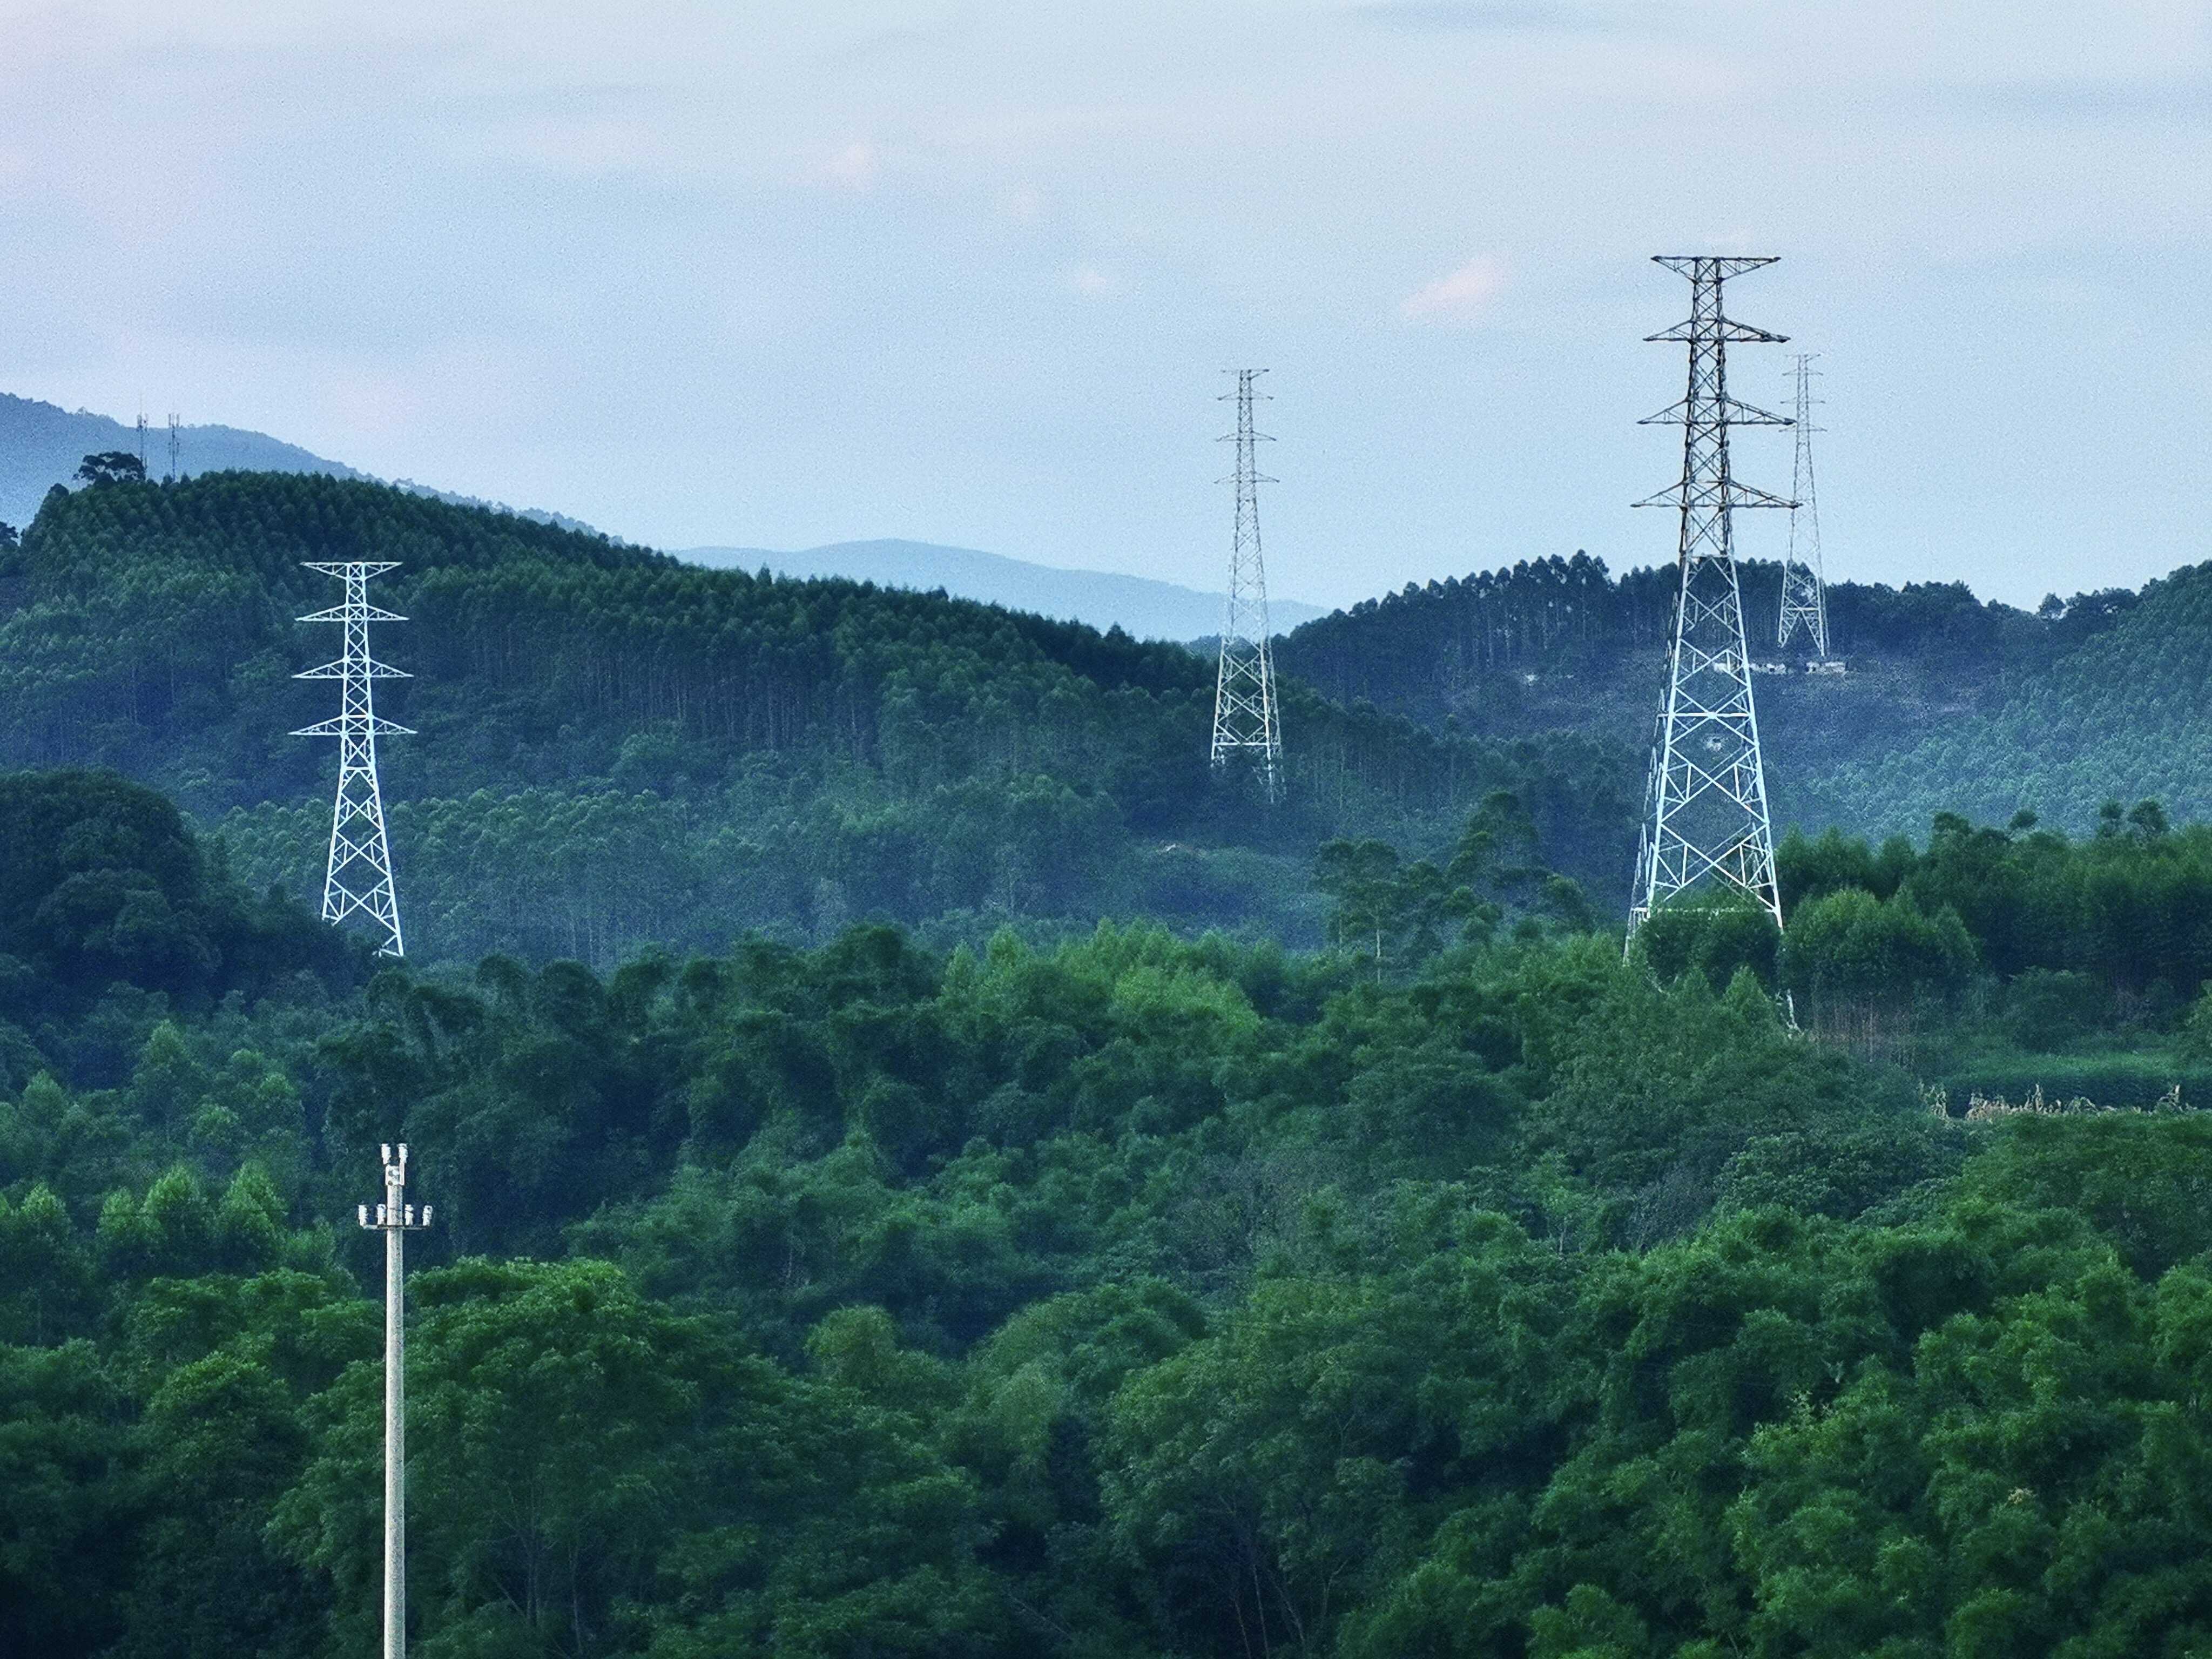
[1244, 720]
[359, 875]
[1804, 585]
[1706, 813]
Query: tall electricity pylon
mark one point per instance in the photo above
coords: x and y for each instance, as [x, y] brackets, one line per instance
[1804, 585]
[395, 1218]
[1707, 806]
[1244, 723]
[359, 877]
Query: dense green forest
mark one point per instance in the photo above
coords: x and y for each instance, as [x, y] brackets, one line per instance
[1458, 1289]
[850, 1245]
[1949, 704]
[2124, 714]
[616, 748]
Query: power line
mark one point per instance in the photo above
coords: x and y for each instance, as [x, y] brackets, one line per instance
[1707, 814]
[359, 874]
[1244, 717]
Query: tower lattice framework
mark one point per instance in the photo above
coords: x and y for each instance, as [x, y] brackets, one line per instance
[1244, 719]
[1706, 814]
[359, 877]
[1804, 584]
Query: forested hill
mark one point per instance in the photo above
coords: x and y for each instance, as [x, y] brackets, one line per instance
[1561, 644]
[615, 747]
[1149, 609]
[2123, 715]
[1127, 1297]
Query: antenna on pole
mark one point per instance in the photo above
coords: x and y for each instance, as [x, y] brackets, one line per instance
[1244, 723]
[142, 438]
[395, 1218]
[359, 875]
[175, 445]
[1707, 801]
[1804, 585]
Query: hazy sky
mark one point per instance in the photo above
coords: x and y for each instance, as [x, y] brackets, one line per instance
[779, 275]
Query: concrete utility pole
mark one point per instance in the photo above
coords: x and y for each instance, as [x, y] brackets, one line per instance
[395, 1218]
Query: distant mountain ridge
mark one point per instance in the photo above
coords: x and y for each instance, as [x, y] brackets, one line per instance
[41, 444]
[1949, 704]
[1137, 605]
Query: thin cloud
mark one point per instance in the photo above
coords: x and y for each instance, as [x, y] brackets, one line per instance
[1501, 15]
[853, 167]
[2159, 102]
[1461, 297]
[1092, 283]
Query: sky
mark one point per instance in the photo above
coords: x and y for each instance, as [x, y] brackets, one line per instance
[780, 274]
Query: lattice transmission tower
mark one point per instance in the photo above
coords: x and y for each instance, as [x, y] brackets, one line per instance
[176, 444]
[1804, 585]
[1706, 810]
[1244, 720]
[359, 877]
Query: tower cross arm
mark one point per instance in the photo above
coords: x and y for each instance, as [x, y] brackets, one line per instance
[364, 612]
[338, 671]
[355, 725]
[1702, 332]
[360, 567]
[1738, 494]
[1720, 265]
[1739, 413]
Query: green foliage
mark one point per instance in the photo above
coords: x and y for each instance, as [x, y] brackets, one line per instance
[1130, 1293]
[1862, 966]
[111, 466]
[1716, 934]
[1949, 704]
[2117, 710]
[102, 882]
[617, 748]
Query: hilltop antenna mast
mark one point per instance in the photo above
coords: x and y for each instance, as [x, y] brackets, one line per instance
[1707, 804]
[142, 439]
[1804, 585]
[359, 875]
[1244, 722]
[175, 445]
[395, 1218]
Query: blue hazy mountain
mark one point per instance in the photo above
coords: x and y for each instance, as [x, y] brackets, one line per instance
[1149, 610]
[41, 445]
